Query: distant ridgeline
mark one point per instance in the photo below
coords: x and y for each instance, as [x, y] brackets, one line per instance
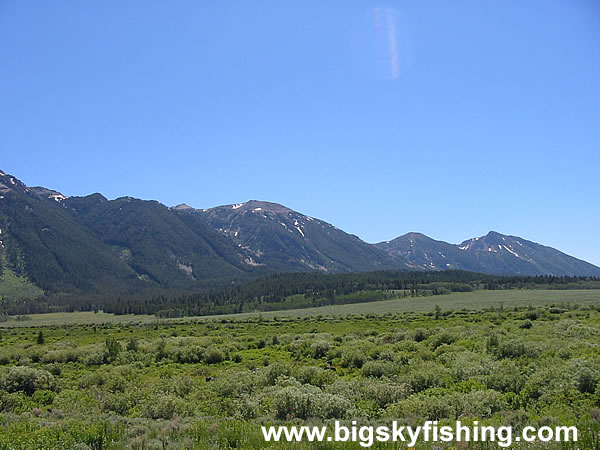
[132, 255]
[304, 290]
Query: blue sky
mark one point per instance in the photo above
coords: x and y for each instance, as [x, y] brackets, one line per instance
[449, 118]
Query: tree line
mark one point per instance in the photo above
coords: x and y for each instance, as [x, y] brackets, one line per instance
[294, 290]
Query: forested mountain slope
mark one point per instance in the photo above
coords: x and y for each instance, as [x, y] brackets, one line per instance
[285, 240]
[130, 247]
[493, 253]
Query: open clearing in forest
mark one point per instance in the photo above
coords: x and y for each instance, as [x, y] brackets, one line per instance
[460, 300]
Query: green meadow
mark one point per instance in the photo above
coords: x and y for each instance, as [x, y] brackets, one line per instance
[97, 381]
[16, 287]
[475, 300]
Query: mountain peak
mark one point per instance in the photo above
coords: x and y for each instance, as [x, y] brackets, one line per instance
[48, 193]
[283, 239]
[9, 182]
[146, 239]
[258, 205]
[494, 253]
[415, 235]
[182, 207]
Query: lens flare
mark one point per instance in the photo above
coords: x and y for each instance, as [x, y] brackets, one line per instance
[391, 43]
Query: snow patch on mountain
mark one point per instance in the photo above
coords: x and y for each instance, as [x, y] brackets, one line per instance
[58, 197]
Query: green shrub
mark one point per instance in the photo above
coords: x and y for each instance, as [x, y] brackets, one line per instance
[514, 348]
[584, 375]
[117, 403]
[441, 339]
[319, 349]
[492, 343]
[5, 358]
[505, 376]
[300, 349]
[277, 370]
[377, 369]
[291, 402]
[464, 365]
[421, 407]
[43, 397]
[387, 355]
[94, 357]
[132, 344]
[181, 386]
[95, 378]
[526, 324]
[308, 401]
[27, 380]
[162, 406]
[353, 359]
[314, 375]
[15, 402]
[112, 349]
[392, 338]
[61, 356]
[191, 355]
[382, 392]
[161, 350]
[426, 375]
[532, 315]
[55, 369]
[420, 334]
[239, 384]
[479, 404]
[214, 356]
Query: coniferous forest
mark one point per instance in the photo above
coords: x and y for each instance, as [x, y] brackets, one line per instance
[295, 290]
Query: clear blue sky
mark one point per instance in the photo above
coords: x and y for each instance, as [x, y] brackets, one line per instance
[449, 118]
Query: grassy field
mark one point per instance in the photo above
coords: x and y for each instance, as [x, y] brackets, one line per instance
[17, 288]
[464, 300]
[476, 300]
[211, 384]
[79, 318]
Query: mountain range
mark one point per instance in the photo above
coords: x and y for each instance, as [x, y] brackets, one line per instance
[129, 246]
